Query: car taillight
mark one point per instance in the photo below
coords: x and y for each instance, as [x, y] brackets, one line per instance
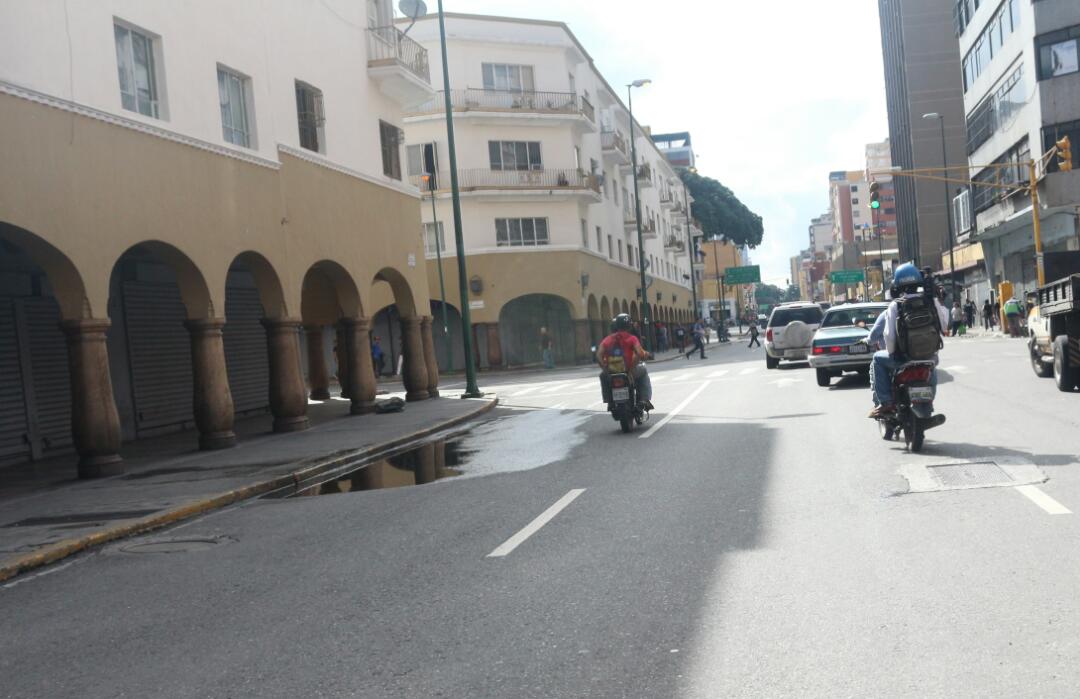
[819, 350]
[912, 374]
[768, 335]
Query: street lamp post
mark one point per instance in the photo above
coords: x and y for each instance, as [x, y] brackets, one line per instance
[948, 204]
[471, 389]
[690, 245]
[637, 211]
[430, 179]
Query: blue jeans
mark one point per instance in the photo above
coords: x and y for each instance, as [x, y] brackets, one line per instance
[549, 359]
[881, 372]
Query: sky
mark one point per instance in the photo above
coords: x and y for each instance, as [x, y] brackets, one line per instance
[775, 94]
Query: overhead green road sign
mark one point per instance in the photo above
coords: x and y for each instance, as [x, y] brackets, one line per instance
[742, 275]
[847, 276]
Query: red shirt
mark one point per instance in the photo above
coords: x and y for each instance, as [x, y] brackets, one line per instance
[625, 340]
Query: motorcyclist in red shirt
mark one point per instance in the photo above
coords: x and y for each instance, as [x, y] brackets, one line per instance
[633, 356]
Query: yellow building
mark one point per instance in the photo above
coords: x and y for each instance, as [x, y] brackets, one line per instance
[714, 260]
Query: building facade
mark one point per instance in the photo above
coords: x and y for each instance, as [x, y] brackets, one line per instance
[1021, 79]
[194, 228]
[922, 76]
[547, 193]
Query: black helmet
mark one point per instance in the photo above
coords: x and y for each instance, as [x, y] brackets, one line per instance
[622, 322]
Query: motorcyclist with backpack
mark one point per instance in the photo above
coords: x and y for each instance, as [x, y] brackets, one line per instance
[622, 351]
[915, 322]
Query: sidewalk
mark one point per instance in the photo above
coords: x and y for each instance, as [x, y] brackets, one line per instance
[46, 513]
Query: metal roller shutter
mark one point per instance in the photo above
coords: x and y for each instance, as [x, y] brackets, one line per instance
[159, 354]
[14, 444]
[245, 350]
[49, 362]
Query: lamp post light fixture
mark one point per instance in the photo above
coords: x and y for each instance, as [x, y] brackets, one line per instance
[637, 212]
[948, 204]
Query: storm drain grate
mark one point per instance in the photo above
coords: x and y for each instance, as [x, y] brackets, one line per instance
[976, 474]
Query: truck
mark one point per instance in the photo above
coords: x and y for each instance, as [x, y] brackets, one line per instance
[1054, 332]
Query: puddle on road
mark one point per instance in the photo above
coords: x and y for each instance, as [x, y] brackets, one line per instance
[515, 443]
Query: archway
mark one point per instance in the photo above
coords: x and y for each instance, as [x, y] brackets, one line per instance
[449, 344]
[39, 287]
[605, 316]
[596, 333]
[415, 342]
[520, 321]
[329, 308]
[634, 311]
[625, 308]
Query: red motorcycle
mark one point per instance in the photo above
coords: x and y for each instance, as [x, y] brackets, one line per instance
[913, 394]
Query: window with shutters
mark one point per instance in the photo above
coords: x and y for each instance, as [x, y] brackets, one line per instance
[515, 155]
[518, 232]
[310, 117]
[390, 143]
[433, 235]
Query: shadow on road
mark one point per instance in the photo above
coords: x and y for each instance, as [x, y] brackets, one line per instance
[965, 450]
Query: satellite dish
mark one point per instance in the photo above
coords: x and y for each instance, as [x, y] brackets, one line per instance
[412, 9]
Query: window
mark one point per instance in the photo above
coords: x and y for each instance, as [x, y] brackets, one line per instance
[854, 187]
[599, 240]
[232, 97]
[1059, 53]
[136, 70]
[610, 251]
[630, 255]
[856, 213]
[620, 249]
[511, 78]
[434, 232]
[517, 232]
[889, 210]
[854, 201]
[997, 109]
[615, 189]
[983, 197]
[515, 155]
[1004, 22]
[422, 159]
[584, 234]
[390, 141]
[309, 115]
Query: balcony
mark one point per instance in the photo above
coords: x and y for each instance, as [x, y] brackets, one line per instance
[678, 209]
[503, 182]
[644, 175]
[399, 65]
[485, 105]
[648, 228]
[614, 147]
[667, 200]
[674, 243]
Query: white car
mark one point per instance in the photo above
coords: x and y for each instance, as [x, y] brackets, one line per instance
[790, 332]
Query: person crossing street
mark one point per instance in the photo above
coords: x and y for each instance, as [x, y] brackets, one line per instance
[753, 335]
[699, 340]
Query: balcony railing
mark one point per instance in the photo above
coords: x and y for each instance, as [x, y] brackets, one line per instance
[388, 45]
[482, 178]
[644, 173]
[587, 109]
[674, 243]
[666, 198]
[613, 141]
[471, 98]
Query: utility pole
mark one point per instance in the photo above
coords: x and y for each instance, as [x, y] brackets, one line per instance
[690, 245]
[442, 284]
[647, 328]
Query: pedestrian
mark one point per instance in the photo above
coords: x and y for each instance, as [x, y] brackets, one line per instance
[988, 315]
[546, 349]
[680, 337]
[1012, 316]
[957, 318]
[662, 337]
[378, 359]
[753, 335]
[699, 340]
[972, 312]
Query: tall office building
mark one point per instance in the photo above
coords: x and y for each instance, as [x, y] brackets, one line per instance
[922, 76]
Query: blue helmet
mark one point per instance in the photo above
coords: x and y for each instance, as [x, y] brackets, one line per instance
[907, 274]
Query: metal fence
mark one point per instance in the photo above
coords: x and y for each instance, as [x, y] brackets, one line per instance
[390, 44]
[482, 178]
[503, 100]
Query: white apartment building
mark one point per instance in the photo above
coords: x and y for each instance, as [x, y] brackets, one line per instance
[1021, 78]
[189, 188]
[547, 191]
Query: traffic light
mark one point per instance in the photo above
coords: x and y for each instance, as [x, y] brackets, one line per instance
[875, 198]
[1064, 154]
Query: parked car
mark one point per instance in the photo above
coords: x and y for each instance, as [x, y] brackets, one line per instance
[836, 346]
[790, 332]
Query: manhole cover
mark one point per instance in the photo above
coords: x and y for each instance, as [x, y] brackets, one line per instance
[962, 475]
[972, 475]
[185, 545]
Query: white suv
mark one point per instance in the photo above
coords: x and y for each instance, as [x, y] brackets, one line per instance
[790, 332]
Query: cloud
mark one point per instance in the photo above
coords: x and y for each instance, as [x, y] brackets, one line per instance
[776, 94]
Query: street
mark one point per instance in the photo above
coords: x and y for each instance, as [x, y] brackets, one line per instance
[759, 542]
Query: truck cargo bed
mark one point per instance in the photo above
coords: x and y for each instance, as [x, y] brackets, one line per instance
[1061, 296]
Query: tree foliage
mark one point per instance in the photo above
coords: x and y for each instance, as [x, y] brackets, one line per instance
[721, 213]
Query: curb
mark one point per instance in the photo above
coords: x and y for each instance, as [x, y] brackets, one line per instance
[307, 469]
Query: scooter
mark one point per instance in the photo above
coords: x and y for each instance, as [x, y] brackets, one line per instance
[625, 407]
[914, 414]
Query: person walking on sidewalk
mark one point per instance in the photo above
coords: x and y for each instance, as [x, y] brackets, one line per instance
[546, 349]
[957, 318]
[753, 335]
[969, 313]
[699, 340]
[378, 359]
[987, 315]
[680, 337]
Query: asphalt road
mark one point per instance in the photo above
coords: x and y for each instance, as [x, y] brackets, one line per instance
[761, 542]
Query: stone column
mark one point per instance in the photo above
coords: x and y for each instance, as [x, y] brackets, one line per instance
[429, 357]
[213, 401]
[316, 355]
[288, 397]
[414, 375]
[341, 354]
[95, 424]
[494, 347]
[357, 362]
[582, 341]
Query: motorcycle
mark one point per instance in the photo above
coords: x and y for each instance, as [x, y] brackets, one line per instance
[914, 414]
[625, 407]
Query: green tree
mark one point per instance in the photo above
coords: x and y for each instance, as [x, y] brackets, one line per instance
[720, 212]
[768, 294]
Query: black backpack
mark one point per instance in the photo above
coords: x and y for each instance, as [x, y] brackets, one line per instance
[918, 333]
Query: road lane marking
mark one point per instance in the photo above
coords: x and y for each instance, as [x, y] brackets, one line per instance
[785, 382]
[1043, 500]
[530, 389]
[680, 376]
[534, 526]
[718, 374]
[557, 387]
[748, 370]
[958, 369]
[667, 418]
